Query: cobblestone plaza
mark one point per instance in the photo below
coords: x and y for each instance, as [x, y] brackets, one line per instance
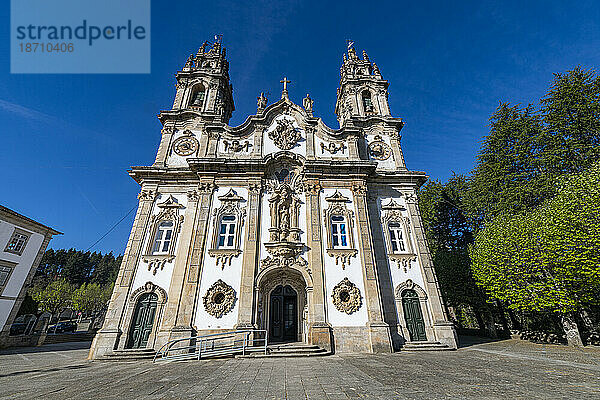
[496, 370]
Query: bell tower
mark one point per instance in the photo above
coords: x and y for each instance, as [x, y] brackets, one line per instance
[363, 91]
[203, 84]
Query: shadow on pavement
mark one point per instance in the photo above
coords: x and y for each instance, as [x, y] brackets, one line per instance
[48, 347]
[17, 373]
[467, 341]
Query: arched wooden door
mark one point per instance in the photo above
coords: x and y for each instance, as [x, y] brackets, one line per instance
[143, 321]
[283, 314]
[413, 316]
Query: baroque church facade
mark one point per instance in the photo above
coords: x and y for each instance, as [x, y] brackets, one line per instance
[281, 223]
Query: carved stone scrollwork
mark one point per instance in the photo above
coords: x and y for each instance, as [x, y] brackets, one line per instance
[148, 287]
[193, 195]
[346, 297]
[359, 189]
[255, 188]
[219, 299]
[410, 197]
[332, 148]
[312, 187]
[168, 130]
[285, 135]
[158, 261]
[147, 195]
[235, 146]
[206, 187]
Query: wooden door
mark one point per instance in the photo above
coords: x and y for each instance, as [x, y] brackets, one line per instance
[283, 314]
[143, 321]
[413, 316]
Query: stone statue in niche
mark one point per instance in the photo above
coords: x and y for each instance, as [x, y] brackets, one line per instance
[284, 215]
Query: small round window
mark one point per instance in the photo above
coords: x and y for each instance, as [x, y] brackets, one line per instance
[219, 298]
[345, 296]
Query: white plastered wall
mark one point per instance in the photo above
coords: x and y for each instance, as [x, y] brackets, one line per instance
[20, 271]
[211, 272]
[162, 277]
[334, 274]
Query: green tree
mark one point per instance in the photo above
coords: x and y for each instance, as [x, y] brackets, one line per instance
[449, 234]
[505, 179]
[53, 298]
[547, 259]
[91, 298]
[571, 117]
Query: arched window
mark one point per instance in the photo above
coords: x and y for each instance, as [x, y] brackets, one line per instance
[198, 97]
[367, 102]
[162, 240]
[396, 237]
[339, 232]
[227, 232]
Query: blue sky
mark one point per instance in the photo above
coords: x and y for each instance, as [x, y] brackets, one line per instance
[68, 140]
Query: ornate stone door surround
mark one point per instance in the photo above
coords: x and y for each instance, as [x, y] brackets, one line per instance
[149, 287]
[267, 282]
[410, 285]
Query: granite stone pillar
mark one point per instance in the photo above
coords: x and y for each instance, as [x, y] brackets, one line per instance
[379, 331]
[246, 317]
[319, 331]
[111, 337]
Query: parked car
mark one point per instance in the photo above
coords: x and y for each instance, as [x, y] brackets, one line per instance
[62, 327]
[17, 328]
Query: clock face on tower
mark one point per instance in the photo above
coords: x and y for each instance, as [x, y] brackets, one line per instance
[185, 145]
[379, 150]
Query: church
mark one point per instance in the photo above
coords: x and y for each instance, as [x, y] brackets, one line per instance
[280, 224]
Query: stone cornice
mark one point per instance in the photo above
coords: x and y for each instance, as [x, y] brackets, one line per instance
[256, 167]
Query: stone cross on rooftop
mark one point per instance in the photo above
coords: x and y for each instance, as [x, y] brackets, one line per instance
[284, 93]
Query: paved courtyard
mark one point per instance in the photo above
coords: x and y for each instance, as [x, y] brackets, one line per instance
[507, 369]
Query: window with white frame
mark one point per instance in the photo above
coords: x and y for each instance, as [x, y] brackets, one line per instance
[227, 232]
[163, 238]
[17, 242]
[339, 232]
[396, 237]
[5, 271]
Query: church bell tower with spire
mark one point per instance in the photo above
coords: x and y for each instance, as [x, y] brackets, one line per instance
[362, 91]
[203, 84]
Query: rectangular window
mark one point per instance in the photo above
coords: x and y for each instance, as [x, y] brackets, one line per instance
[227, 232]
[339, 236]
[6, 269]
[17, 242]
[396, 238]
[162, 240]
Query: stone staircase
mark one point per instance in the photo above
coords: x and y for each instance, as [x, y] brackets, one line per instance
[289, 350]
[425, 346]
[130, 355]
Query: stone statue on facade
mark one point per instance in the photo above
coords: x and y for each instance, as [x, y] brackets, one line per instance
[261, 102]
[307, 102]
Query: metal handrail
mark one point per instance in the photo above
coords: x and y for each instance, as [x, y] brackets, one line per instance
[207, 345]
